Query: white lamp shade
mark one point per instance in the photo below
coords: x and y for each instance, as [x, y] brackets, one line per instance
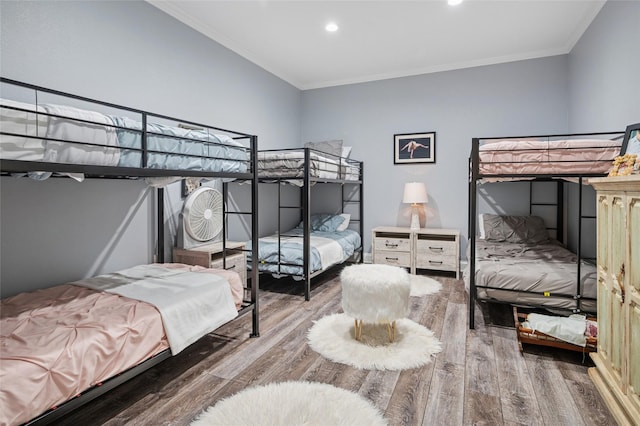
[415, 192]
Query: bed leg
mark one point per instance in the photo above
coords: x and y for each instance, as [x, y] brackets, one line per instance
[516, 322]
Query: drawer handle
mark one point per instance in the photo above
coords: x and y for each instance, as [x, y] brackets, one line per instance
[392, 258]
[436, 248]
[435, 262]
[391, 245]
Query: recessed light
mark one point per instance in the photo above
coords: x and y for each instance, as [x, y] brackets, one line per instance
[332, 27]
[454, 2]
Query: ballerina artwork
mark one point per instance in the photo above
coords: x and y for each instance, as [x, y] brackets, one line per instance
[411, 146]
[415, 148]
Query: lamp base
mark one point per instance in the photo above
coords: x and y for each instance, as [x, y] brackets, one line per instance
[415, 220]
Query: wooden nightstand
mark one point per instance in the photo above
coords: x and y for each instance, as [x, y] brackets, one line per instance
[392, 246]
[210, 256]
[437, 250]
[428, 249]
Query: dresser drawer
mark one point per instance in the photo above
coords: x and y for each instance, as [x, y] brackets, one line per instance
[235, 263]
[210, 256]
[393, 244]
[396, 258]
[437, 262]
[428, 247]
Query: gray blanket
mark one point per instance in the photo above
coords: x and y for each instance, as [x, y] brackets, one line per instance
[547, 268]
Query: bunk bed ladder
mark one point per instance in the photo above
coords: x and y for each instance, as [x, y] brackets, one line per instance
[350, 200]
[559, 226]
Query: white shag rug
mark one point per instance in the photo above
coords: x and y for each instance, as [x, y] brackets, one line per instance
[421, 285]
[292, 403]
[333, 338]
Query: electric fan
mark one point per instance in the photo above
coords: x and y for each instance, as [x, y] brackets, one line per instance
[201, 217]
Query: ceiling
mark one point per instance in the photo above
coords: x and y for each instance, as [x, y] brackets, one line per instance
[384, 39]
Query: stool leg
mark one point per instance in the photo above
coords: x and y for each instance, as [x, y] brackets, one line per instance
[391, 331]
[358, 329]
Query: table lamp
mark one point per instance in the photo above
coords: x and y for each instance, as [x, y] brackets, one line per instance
[414, 193]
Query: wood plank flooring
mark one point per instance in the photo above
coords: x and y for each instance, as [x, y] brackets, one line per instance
[479, 378]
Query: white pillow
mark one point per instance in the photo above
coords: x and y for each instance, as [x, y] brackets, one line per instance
[346, 151]
[345, 224]
[333, 148]
[481, 225]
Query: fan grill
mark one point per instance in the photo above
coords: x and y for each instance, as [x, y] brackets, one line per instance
[203, 214]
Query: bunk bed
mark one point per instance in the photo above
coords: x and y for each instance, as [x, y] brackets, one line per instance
[319, 241]
[521, 260]
[49, 372]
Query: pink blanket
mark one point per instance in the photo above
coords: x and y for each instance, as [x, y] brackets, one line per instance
[58, 342]
[573, 156]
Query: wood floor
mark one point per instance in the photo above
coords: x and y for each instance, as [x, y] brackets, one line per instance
[480, 377]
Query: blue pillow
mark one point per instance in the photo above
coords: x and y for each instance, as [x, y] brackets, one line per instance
[324, 222]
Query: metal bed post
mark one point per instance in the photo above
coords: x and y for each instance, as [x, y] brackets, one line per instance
[306, 211]
[361, 198]
[160, 224]
[473, 176]
[560, 211]
[279, 230]
[255, 283]
[578, 295]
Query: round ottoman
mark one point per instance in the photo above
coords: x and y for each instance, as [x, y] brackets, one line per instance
[374, 293]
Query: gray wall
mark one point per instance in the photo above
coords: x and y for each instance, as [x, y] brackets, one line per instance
[604, 75]
[518, 98]
[128, 53]
[603, 90]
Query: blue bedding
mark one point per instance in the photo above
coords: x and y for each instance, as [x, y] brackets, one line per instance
[292, 252]
[222, 152]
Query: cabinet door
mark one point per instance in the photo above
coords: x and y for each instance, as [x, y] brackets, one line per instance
[617, 245]
[603, 283]
[633, 296]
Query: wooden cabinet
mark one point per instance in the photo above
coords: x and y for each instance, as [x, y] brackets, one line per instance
[210, 256]
[429, 249]
[438, 250]
[617, 360]
[392, 246]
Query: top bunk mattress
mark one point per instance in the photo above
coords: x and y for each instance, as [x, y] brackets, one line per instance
[547, 157]
[69, 135]
[290, 164]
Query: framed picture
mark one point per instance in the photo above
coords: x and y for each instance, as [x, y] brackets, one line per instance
[409, 148]
[631, 142]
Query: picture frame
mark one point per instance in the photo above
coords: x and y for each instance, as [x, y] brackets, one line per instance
[412, 148]
[631, 141]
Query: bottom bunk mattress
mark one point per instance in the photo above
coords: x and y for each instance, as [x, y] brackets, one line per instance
[286, 256]
[542, 274]
[59, 342]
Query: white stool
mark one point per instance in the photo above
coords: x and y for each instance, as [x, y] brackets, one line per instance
[375, 294]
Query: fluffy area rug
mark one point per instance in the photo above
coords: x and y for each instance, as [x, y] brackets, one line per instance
[292, 403]
[333, 338]
[421, 285]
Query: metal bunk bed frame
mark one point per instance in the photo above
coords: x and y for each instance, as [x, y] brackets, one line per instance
[305, 210]
[8, 167]
[475, 176]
